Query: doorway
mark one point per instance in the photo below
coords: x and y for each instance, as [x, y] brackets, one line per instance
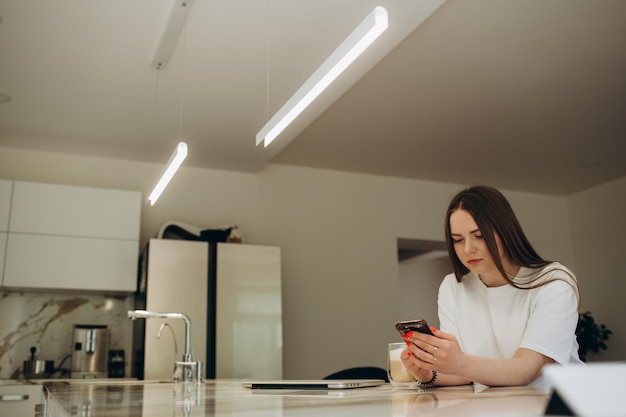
[422, 266]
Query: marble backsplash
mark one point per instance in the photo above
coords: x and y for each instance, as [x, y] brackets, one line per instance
[46, 320]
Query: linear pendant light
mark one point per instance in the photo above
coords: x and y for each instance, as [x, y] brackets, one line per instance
[368, 30]
[177, 158]
[173, 27]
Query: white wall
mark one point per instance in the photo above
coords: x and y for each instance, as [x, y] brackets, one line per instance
[598, 217]
[338, 232]
[419, 281]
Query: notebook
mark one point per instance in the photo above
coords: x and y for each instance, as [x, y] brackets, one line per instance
[593, 390]
[302, 384]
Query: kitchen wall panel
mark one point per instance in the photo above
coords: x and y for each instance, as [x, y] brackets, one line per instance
[46, 320]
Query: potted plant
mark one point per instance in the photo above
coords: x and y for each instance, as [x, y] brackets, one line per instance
[591, 336]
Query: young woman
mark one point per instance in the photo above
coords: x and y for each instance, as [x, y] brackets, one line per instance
[505, 312]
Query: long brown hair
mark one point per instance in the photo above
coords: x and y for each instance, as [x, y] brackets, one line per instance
[494, 216]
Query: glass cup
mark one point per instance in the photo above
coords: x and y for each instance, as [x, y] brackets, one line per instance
[396, 372]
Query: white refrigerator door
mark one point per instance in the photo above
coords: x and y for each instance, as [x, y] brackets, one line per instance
[249, 312]
[177, 283]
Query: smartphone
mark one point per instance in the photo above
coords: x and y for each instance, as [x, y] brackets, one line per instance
[413, 326]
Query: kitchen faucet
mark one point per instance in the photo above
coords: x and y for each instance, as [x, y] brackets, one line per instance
[187, 363]
[177, 370]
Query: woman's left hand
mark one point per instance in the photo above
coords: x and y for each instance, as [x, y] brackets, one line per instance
[441, 352]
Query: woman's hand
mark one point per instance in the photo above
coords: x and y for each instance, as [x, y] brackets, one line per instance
[426, 353]
[419, 373]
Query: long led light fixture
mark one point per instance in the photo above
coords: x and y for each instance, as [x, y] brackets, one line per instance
[177, 158]
[368, 30]
[172, 29]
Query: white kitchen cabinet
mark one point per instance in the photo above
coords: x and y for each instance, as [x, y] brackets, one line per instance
[3, 247]
[177, 283]
[249, 302]
[72, 238]
[5, 204]
[61, 262]
[5, 209]
[66, 210]
[20, 400]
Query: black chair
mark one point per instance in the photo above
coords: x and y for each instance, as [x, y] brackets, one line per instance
[360, 372]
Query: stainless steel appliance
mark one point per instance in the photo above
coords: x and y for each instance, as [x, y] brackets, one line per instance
[90, 349]
[36, 369]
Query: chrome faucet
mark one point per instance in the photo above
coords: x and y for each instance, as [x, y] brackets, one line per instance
[187, 363]
[177, 372]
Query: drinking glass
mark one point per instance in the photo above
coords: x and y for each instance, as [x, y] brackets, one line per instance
[396, 372]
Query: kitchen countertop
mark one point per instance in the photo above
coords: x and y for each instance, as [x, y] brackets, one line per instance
[228, 398]
[22, 381]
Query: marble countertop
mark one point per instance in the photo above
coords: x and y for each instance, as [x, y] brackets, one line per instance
[22, 381]
[228, 398]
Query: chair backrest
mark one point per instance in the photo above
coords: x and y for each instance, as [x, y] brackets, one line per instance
[360, 372]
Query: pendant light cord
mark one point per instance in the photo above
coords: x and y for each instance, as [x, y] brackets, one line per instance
[184, 50]
[267, 63]
[156, 99]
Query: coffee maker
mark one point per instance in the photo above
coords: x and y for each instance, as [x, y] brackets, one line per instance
[90, 347]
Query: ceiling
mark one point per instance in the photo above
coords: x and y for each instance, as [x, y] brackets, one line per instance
[526, 95]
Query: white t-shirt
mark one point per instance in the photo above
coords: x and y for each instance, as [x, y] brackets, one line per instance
[496, 321]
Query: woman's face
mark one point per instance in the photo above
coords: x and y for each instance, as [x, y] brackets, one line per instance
[469, 245]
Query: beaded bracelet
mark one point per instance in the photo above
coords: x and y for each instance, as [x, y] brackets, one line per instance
[428, 383]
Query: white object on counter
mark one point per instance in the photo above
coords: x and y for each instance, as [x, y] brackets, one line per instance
[591, 390]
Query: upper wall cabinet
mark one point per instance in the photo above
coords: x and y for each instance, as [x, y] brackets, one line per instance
[5, 207]
[72, 238]
[50, 209]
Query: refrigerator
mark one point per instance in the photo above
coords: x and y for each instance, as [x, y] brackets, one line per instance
[232, 295]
